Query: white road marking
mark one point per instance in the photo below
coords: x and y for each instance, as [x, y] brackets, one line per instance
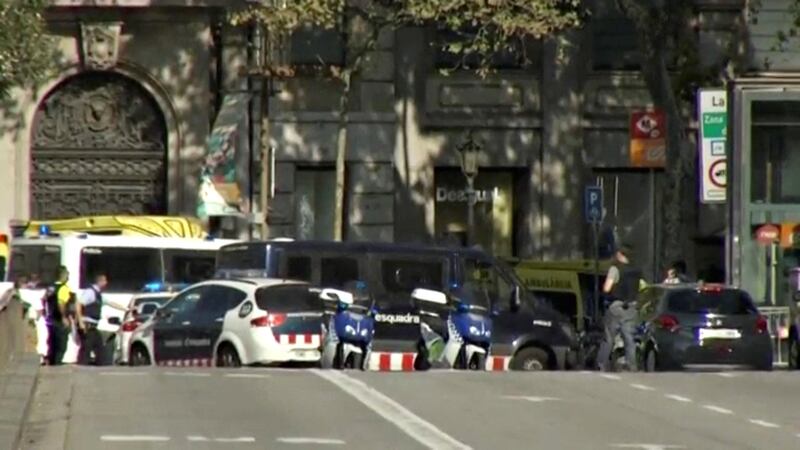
[647, 446]
[246, 375]
[718, 409]
[678, 398]
[420, 430]
[187, 374]
[610, 377]
[132, 438]
[726, 375]
[309, 441]
[121, 374]
[236, 440]
[224, 440]
[764, 424]
[530, 398]
[642, 387]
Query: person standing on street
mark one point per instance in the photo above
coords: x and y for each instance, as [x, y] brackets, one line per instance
[89, 312]
[676, 273]
[57, 304]
[622, 285]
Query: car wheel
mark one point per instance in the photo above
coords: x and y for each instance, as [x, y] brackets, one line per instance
[794, 354]
[139, 356]
[227, 356]
[531, 359]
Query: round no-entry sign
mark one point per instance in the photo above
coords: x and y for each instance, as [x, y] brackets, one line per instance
[767, 234]
[717, 172]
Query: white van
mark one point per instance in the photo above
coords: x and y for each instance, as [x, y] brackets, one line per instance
[131, 263]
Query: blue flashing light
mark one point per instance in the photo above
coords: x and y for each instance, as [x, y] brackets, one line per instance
[44, 229]
[454, 285]
[361, 285]
[462, 307]
[155, 286]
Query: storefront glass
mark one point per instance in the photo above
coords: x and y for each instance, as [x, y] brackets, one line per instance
[494, 211]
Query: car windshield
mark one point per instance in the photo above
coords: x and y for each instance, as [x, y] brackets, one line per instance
[726, 301]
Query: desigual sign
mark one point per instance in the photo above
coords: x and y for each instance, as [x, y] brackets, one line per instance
[460, 195]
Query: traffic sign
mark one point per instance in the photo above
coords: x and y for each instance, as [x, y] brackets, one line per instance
[593, 204]
[767, 234]
[648, 144]
[712, 105]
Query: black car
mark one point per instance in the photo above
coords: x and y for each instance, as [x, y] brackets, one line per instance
[701, 324]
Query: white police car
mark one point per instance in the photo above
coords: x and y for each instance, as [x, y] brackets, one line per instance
[140, 309]
[233, 322]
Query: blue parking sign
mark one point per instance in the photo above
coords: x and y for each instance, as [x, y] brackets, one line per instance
[593, 204]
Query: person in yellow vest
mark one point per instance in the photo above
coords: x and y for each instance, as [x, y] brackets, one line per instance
[58, 302]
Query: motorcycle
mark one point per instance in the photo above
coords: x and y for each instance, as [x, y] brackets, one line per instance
[455, 333]
[350, 329]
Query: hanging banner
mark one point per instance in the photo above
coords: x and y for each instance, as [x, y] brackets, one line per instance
[648, 145]
[712, 112]
[220, 193]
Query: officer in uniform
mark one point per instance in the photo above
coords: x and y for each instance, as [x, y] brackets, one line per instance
[90, 307]
[622, 285]
[57, 306]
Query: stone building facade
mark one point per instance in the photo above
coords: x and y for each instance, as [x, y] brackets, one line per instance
[122, 128]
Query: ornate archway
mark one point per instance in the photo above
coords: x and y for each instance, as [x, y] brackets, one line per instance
[99, 146]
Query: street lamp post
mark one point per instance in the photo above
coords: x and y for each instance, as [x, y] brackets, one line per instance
[469, 151]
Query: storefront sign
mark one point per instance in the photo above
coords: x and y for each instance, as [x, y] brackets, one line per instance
[460, 195]
[648, 146]
[713, 115]
[767, 234]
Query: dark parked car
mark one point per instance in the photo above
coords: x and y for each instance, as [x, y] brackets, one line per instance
[696, 324]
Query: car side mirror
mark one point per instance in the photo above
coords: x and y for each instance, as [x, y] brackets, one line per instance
[114, 321]
[162, 313]
[516, 299]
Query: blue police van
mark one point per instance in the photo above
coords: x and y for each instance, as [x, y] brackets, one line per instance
[529, 332]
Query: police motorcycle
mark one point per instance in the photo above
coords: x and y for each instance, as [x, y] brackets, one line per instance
[348, 335]
[455, 330]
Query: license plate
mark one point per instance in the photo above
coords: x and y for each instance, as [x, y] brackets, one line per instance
[718, 333]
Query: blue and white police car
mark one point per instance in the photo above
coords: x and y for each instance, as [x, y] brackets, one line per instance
[233, 322]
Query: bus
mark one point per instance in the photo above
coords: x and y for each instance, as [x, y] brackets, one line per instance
[131, 263]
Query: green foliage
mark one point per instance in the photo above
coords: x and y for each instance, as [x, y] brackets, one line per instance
[483, 28]
[489, 27]
[26, 55]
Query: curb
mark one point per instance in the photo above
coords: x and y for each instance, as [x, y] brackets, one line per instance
[15, 401]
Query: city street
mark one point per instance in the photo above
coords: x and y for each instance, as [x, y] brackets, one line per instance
[134, 408]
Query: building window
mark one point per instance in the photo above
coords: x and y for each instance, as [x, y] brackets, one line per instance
[494, 209]
[775, 152]
[336, 272]
[315, 191]
[614, 39]
[316, 47]
[510, 58]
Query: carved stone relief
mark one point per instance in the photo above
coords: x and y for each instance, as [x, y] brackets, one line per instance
[99, 147]
[100, 45]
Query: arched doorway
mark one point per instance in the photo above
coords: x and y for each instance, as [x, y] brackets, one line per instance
[99, 147]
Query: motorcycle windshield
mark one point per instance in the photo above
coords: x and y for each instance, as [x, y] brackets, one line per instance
[473, 296]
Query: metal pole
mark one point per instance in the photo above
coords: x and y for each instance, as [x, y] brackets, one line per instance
[596, 298]
[470, 211]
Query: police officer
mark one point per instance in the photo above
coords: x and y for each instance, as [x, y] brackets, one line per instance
[622, 285]
[57, 305]
[89, 312]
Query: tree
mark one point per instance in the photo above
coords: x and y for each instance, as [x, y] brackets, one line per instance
[486, 27]
[362, 20]
[26, 52]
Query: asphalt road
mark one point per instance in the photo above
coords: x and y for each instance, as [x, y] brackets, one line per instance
[123, 408]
